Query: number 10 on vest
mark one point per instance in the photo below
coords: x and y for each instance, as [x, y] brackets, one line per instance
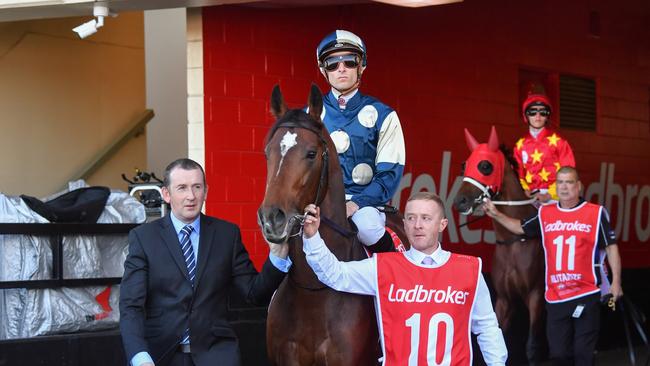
[432, 345]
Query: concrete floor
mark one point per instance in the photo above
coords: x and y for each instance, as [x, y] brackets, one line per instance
[619, 356]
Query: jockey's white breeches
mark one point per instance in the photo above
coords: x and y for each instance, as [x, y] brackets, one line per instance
[371, 224]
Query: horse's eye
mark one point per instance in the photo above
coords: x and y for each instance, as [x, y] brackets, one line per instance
[485, 167]
[311, 154]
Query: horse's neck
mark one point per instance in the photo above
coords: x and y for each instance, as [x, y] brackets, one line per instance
[344, 248]
[511, 191]
[333, 207]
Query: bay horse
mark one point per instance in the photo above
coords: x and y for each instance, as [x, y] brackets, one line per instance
[309, 323]
[518, 262]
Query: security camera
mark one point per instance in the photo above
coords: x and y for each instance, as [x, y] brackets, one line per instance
[100, 10]
[87, 29]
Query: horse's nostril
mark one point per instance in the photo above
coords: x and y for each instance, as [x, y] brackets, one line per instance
[272, 220]
[268, 229]
[278, 216]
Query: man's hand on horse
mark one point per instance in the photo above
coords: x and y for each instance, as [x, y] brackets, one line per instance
[490, 209]
[542, 197]
[279, 250]
[351, 208]
[312, 220]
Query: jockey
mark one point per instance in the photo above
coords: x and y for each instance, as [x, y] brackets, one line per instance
[367, 134]
[542, 151]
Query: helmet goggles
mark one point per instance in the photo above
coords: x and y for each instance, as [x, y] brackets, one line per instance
[544, 112]
[350, 61]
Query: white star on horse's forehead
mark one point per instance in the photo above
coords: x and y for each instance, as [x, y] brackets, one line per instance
[288, 141]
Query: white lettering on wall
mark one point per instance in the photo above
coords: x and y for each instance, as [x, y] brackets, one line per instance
[425, 182]
[621, 202]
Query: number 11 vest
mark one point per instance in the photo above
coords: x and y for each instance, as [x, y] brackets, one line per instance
[425, 313]
[570, 238]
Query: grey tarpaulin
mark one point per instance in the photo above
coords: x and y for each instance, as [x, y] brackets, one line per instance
[32, 312]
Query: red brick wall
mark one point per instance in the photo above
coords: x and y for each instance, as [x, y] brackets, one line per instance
[442, 68]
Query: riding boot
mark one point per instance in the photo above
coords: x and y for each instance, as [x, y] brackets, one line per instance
[384, 244]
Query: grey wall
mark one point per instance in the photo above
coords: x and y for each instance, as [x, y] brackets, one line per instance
[166, 82]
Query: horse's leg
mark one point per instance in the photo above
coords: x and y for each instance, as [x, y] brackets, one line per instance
[291, 354]
[282, 336]
[352, 338]
[503, 309]
[534, 344]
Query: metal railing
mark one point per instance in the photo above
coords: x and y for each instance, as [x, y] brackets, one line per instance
[56, 232]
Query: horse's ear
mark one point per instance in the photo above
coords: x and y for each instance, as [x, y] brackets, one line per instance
[315, 102]
[471, 141]
[278, 107]
[493, 142]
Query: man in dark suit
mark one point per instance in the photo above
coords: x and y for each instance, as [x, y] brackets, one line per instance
[173, 303]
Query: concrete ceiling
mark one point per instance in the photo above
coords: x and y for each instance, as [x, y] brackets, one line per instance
[13, 10]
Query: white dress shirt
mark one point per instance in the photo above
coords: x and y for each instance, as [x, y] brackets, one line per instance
[360, 277]
[347, 97]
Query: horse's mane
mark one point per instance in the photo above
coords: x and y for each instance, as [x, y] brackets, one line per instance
[508, 153]
[296, 118]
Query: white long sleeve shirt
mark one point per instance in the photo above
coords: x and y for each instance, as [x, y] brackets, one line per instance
[360, 277]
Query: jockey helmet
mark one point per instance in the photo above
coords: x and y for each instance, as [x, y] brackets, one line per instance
[535, 100]
[340, 40]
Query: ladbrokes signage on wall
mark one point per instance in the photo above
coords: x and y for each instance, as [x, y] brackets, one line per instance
[628, 205]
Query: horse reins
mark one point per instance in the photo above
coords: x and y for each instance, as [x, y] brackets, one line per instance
[295, 283]
[487, 193]
[336, 227]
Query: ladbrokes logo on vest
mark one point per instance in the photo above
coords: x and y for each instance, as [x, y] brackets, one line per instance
[567, 226]
[421, 294]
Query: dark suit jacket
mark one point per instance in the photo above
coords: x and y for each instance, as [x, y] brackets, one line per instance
[157, 301]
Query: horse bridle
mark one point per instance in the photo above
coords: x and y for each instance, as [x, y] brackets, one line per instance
[322, 182]
[318, 200]
[488, 193]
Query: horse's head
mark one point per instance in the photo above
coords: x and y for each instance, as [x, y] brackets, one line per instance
[296, 165]
[482, 173]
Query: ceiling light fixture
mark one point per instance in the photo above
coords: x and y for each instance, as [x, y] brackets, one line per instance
[418, 3]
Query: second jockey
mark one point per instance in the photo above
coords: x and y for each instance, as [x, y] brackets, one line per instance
[542, 151]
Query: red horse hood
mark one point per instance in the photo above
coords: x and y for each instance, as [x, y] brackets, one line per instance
[475, 167]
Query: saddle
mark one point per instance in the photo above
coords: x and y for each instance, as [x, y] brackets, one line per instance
[83, 205]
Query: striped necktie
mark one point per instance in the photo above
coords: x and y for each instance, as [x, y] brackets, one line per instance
[188, 252]
[190, 261]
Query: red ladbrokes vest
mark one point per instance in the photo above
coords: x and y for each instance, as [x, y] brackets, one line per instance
[570, 240]
[425, 312]
[540, 158]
